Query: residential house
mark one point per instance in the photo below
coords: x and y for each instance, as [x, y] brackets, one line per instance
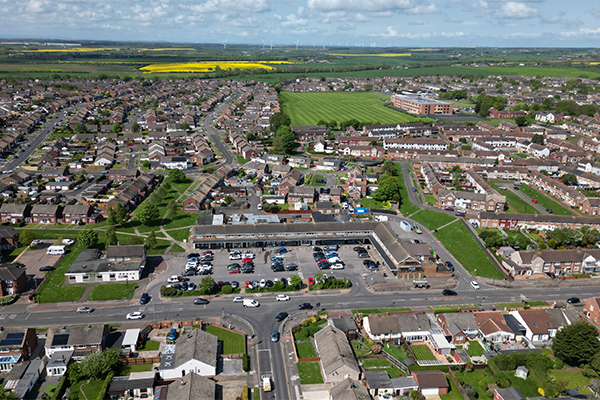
[299, 162]
[193, 352]
[16, 345]
[431, 382]
[60, 174]
[181, 163]
[470, 200]
[81, 339]
[78, 214]
[325, 164]
[9, 238]
[509, 393]
[540, 327]
[458, 327]
[591, 309]
[337, 359]
[493, 327]
[15, 213]
[13, 280]
[349, 389]
[46, 214]
[118, 175]
[137, 385]
[378, 383]
[301, 194]
[534, 221]
[190, 387]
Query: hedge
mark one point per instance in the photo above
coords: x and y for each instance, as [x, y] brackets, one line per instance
[61, 388]
[443, 368]
[245, 364]
[105, 386]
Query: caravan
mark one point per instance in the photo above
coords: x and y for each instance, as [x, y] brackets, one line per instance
[56, 250]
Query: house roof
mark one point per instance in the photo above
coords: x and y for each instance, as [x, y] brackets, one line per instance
[459, 322]
[490, 322]
[198, 345]
[13, 208]
[76, 335]
[334, 349]
[538, 321]
[45, 209]
[132, 250]
[430, 379]
[11, 273]
[349, 389]
[378, 380]
[14, 335]
[404, 382]
[510, 393]
[385, 324]
[77, 209]
[192, 387]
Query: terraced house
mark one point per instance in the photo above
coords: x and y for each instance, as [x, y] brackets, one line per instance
[46, 214]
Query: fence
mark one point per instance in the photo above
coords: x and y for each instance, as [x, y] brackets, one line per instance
[141, 360]
[169, 324]
[458, 385]
[397, 363]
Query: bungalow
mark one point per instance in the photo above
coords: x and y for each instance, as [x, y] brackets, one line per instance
[181, 163]
[349, 389]
[194, 352]
[138, 385]
[325, 164]
[122, 263]
[493, 327]
[540, 327]
[379, 383]
[60, 174]
[81, 339]
[299, 162]
[190, 387]
[337, 359]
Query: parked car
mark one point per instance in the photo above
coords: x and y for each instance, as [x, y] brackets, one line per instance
[235, 256]
[172, 335]
[311, 281]
[145, 298]
[47, 268]
[449, 208]
[173, 279]
[305, 306]
[359, 249]
[573, 300]
[85, 310]
[291, 267]
[238, 299]
[274, 335]
[534, 201]
[549, 210]
[337, 265]
[448, 292]
[449, 265]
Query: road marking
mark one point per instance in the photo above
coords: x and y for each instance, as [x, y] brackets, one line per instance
[2, 316]
[12, 316]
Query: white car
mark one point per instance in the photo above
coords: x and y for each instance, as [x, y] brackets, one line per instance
[282, 297]
[248, 255]
[259, 207]
[475, 285]
[173, 279]
[337, 266]
[238, 299]
[251, 303]
[333, 259]
[263, 283]
[235, 256]
[68, 242]
[135, 315]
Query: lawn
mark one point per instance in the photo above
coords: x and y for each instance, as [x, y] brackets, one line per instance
[545, 201]
[9, 256]
[306, 350]
[360, 348]
[180, 234]
[137, 368]
[52, 290]
[375, 362]
[177, 249]
[310, 373]
[371, 203]
[313, 181]
[459, 241]
[310, 108]
[432, 219]
[519, 304]
[150, 345]
[180, 186]
[92, 388]
[475, 377]
[517, 203]
[397, 352]
[453, 394]
[161, 246]
[574, 377]
[232, 343]
[241, 160]
[431, 199]
[475, 348]
[181, 220]
[422, 352]
[112, 291]
[450, 309]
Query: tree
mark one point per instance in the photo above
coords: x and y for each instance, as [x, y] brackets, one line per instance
[569, 179]
[278, 120]
[389, 168]
[116, 128]
[74, 373]
[576, 344]
[177, 176]
[135, 240]
[171, 209]
[388, 190]
[184, 126]
[521, 120]
[87, 238]
[135, 128]
[538, 139]
[147, 213]
[285, 140]
[97, 365]
[330, 136]
[206, 285]
[80, 128]
[26, 237]
[295, 281]
[111, 236]
[227, 200]
[151, 241]
[111, 216]
[121, 213]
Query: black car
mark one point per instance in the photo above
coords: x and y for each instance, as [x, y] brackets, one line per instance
[19, 265]
[192, 255]
[281, 316]
[145, 298]
[573, 300]
[278, 268]
[247, 269]
[324, 265]
[317, 249]
[363, 254]
[549, 210]
[305, 306]
[200, 301]
[449, 265]
[448, 292]
[291, 267]
[47, 268]
[184, 285]
[190, 272]
[365, 262]
[359, 249]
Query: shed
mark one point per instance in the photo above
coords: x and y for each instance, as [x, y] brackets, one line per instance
[521, 372]
[130, 340]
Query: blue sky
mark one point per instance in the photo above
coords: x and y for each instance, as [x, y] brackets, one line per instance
[402, 23]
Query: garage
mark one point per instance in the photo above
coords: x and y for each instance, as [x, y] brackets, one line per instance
[428, 391]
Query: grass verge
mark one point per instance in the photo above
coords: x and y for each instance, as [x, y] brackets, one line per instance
[112, 291]
[432, 219]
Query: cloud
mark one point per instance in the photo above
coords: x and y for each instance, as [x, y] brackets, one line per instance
[595, 12]
[582, 32]
[361, 18]
[513, 9]
[292, 20]
[221, 6]
[523, 35]
[428, 9]
[358, 5]
[391, 33]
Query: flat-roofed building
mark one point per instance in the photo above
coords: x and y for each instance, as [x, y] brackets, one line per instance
[421, 105]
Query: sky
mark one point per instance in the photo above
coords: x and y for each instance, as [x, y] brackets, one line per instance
[369, 23]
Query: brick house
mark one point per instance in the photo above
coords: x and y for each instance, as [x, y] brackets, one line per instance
[13, 280]
[78, 213]
[82, 340]
[15, 213]
[119, 175]
[46, 214]
[591, 309]
[431, 382]
[9, 238]
[16, 345]
[301, 194]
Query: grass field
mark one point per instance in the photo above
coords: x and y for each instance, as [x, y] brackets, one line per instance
[453, 394]
[309, 108]
[53, 291]
[112, 291]
[232, 343]
[306, 350]
[432, 219]
[475, 348]
[422, 353]
[371, 203]
[516, 204]
[310, 373]
[459, 241]
[574, 377]
[161, 246]
[180, 234]
[545, 201]
[92, 388]
[177, 249]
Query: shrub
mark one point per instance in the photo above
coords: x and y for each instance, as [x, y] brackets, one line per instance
[60, 389]
[245, 363]
[227, 289]
[245, 393]
[558, 363]
[470, 391]
[107, 382]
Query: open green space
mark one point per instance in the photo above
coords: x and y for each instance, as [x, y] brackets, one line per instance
[474, 349]
[8, 256]
[432, 219]
[310, 373]
[314, 182]
[306, 350]
[112, 291]
[180, 234]
[161, 246]
[545, 201]
[310, 108]
[397, 352]
[177, 249]
[180, 220]
[517, 203]
[231, 342]
[379, 310]
[459, 241]
[372, 203]
[422, 353]
[180, 186]
[52, 290]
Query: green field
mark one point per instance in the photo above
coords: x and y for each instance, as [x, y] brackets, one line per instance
[310, 108]
[516, 204]
[459, 241]
[545, 201]
[422, 353]
[310, 373]
[432, 219]
[232, 343]
[112, 291]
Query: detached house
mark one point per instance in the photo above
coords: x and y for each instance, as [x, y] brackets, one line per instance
[194, 352]
[337, 359]
[540, 327]
[16, 345]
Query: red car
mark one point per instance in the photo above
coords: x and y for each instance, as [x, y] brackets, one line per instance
[449, 208]
[534, 201]
[246, 260]
[207, 253]
[249, 284]
[311, 281]
[234, 271]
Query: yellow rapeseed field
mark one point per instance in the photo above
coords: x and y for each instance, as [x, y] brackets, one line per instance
[373, 55]
[207, 66]
[70, 50]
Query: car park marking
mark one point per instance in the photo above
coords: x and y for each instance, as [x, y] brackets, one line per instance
[12, 316]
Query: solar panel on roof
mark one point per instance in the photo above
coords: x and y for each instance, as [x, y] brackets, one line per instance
[60, 340]
[10, 342]
[15, 335]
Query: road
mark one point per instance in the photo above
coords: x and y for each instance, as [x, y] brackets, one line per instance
[227, 157]
[527, 199]
[33, 142]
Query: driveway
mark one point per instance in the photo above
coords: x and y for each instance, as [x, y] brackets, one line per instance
[36, 258]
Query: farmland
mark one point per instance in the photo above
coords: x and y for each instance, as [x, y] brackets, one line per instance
[208, 66]
[310, 108]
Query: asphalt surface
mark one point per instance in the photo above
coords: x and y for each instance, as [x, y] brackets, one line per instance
[534, 206]
[227, 157]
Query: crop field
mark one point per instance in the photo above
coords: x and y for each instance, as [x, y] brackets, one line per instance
[372, 55]
[310, 108]
[203, 66]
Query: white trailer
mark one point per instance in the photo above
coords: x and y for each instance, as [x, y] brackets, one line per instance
[405, 226]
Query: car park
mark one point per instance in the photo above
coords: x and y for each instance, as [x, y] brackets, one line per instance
[277, 267]
[281, 316]
[311, 281]
[282, 297]
[305, 306]
[85, 309]
[134, 315]
[448, 292]
[191, 286]
[200, 301]
[291, 267]
[475, 285]
[235, 256]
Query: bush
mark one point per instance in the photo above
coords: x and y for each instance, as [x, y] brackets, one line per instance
[61, 388]
[245, 363]
[104, 389]
[226, 289]
[470, 391]
[169, 292]
[558, 363]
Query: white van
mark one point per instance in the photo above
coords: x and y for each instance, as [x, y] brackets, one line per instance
[250, 303]
[56, 250]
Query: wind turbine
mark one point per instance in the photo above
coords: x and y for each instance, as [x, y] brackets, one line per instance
[271, 45]
[263, 45]
[224, 44]
[297, 41]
